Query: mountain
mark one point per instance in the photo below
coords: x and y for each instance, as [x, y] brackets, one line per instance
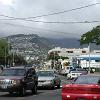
[34, 45]
[66, 42]
[70, 43]
[30, 44]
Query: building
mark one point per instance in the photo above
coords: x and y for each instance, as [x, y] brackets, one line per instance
[93, 58]
[71, 53]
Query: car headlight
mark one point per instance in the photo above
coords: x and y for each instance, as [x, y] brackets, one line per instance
[49, 81]
[14, 82]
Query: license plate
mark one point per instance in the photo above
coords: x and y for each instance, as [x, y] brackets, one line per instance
[39, 84]
[4, 86]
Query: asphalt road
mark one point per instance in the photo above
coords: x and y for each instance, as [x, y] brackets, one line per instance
[43, 94]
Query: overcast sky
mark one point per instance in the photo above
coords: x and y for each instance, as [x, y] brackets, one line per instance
[31, 8]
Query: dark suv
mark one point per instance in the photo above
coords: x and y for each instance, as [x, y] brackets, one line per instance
[19, 80]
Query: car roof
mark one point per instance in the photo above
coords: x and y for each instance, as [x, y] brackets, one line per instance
[75, 71]
[95, 75]
[47, 70]
[19, 67]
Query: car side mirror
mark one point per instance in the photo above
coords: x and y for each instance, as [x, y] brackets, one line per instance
[56, 76]
[29, 75]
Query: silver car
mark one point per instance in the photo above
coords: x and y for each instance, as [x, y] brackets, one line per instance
[48, 78]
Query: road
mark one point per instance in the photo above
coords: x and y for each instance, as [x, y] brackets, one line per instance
[43, 94]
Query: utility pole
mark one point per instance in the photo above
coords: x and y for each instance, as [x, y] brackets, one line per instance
[13, 64]
[54, 60]
[8, 50]
[13, 60]
[5, 57]
[89, 59]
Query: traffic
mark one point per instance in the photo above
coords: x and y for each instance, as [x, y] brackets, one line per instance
[77, 85]
[49, 50]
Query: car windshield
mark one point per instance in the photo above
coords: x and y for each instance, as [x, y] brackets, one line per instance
[80, 69]
[87, 80]
[13, 72]
[74, 72]
[45, 73]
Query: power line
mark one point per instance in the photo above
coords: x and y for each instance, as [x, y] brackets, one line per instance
[29, 27]
[56, 22]
[64, 11]
[50, 14]
[68, 22]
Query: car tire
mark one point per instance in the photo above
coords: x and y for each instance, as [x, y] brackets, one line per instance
[34, 89]
[58, 86]
[22, 92]
[10, 92]
[53, 87]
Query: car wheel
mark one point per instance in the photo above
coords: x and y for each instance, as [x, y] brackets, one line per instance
[23, 92]
[53, 87]
[10, 92]
[58, 86]
[34, 90]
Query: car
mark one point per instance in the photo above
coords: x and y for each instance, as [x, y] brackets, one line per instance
[1, 68]
[73, 74]
[84, 87]
[66, 70]
[47, 78]
[18, 79]
[81, 70]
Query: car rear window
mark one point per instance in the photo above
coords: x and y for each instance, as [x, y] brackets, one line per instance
[80, 69]
[13, 72]
[87, 80]
[74, 72]
[45, 73]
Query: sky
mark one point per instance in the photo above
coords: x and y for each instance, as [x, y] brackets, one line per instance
[32, 8]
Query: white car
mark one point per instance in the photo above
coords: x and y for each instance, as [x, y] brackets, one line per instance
[73, 74]
[67, 70]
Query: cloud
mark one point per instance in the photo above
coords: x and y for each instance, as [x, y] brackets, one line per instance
[28, 8]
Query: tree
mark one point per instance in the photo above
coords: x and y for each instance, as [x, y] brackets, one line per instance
[3, 50]
[3, 46]
[92, 36]
[5, 57]
[53, 56]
